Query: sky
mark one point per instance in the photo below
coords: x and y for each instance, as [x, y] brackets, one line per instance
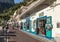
[17, 1]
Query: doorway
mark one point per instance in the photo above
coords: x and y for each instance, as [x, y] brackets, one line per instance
[41, 26]
[21, 25]
[27, 25]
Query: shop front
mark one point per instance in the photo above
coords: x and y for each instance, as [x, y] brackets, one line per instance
[28, 24]
[44, 28]
[41, 21]
[22, 24]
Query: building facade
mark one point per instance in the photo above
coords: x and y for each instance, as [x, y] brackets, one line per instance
[43, 19]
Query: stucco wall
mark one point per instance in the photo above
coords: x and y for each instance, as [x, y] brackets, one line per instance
[55, 13]
[50, 11]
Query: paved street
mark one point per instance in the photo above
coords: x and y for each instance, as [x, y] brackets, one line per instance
[21, 37]
[16, 35]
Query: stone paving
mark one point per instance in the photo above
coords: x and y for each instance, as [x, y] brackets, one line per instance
[22, 37]
[16, 35]
[57, 39]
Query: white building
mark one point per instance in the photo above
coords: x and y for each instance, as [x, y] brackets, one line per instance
[53, 11]
[42, 8]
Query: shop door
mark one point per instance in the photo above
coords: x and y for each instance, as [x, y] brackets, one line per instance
[41, 26]
[27, 25]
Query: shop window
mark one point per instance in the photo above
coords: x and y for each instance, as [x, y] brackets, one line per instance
[58, 25]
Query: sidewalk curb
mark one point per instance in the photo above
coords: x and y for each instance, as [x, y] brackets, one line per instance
[38, 37]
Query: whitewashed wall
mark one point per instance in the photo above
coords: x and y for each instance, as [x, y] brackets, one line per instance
[55, 13]
[33, 18]
[50, 11]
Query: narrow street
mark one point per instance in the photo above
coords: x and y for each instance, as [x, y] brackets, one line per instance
[21, 37]
[16, 35]
[29, 21]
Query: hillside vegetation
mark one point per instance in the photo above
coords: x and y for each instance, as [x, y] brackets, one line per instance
[7, 11]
